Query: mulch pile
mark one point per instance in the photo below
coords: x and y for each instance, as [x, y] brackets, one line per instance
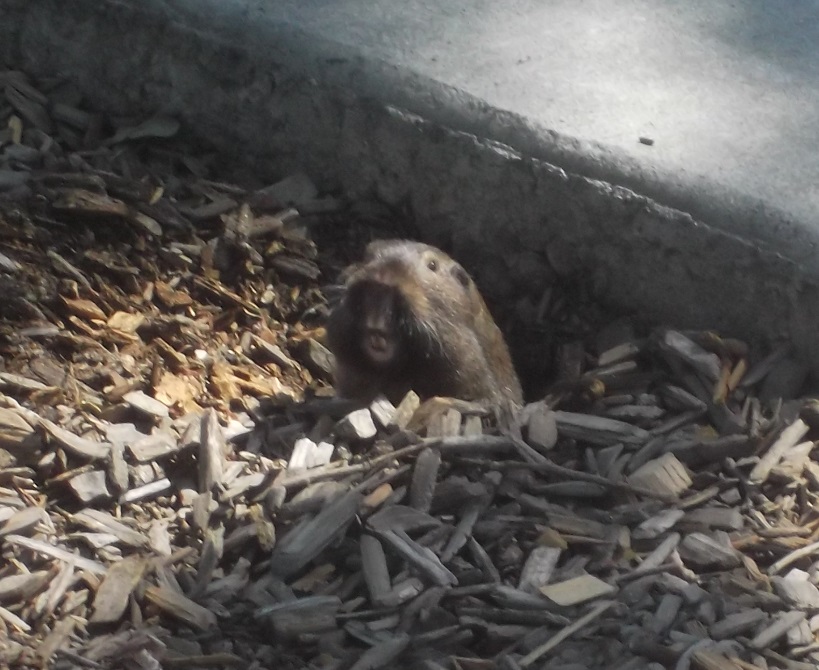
[179, 487]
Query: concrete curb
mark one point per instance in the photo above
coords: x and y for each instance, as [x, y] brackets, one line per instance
[345, 68]
[284, 101]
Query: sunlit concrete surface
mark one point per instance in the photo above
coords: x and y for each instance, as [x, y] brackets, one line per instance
[727, 90]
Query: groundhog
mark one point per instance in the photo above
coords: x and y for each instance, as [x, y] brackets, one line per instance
[411, 318]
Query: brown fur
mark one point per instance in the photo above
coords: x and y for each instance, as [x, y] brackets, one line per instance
[412, 318]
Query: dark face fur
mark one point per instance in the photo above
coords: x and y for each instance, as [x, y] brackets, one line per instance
[396, 299]
[411, 318]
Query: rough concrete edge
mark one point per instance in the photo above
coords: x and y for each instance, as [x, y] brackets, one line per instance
[345, 67]
[638, 255]
[641, 254]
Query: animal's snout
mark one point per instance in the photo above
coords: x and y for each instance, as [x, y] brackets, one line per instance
[378, 306]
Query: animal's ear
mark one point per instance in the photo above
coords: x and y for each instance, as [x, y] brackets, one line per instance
[461, 275]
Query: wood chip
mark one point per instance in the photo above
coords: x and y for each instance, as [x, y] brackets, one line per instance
[789, 437]
[357, 425]
[77, 445]
[179, 607]
[704, 551]
[577, 590]
[119, 582]
[100, 521]
[598, 430]
[211, 453]
[146, 405]
[662, 475]
[307, 541]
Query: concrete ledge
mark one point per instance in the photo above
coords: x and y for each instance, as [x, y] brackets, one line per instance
[790, 231]
[480, 182]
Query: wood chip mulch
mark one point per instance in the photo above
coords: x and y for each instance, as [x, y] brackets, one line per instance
[179, 488]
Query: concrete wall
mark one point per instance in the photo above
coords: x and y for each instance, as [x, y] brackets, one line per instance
[500, 212]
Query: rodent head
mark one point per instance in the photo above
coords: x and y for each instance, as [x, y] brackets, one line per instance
[399, 298]
[412, 318]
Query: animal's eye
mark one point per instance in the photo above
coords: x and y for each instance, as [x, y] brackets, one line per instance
[432, 264]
